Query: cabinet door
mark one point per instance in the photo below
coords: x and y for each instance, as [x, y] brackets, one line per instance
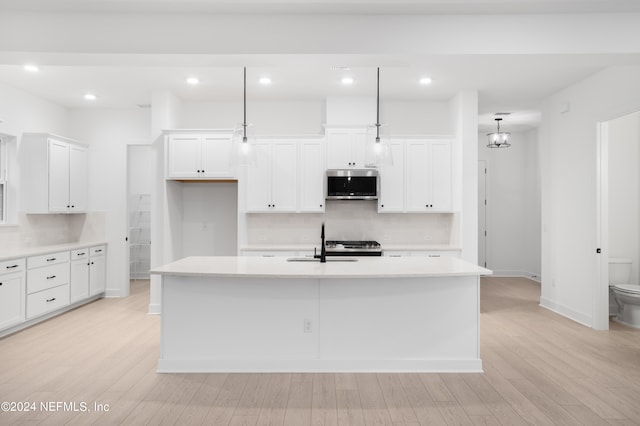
[184, 156]
[97, 275]
[339, 149]
[392, 181]
[312, 176]
[358, 147]
[58, 176]
[217, 157]
[79, 280]
[258, 179]
[11, 300]
[441, 186]
[78, 178]
[284, 176]
[417, 175]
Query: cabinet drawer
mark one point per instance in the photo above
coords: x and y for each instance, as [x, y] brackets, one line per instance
[82, 253]
[47, 277]
[97, 251]
[11, 266]
[47, 259]
[48, 300]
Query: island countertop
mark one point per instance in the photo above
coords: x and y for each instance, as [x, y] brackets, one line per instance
[282, 267]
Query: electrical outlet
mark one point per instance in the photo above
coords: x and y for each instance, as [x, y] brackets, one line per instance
[307, 326]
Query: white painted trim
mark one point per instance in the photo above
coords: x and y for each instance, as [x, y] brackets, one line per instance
[601, 270]
[113, 292]
[569, 313]
[154, 309]
[515, 273]
[321, 366]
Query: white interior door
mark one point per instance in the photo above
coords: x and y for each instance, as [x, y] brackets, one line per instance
[482, 213]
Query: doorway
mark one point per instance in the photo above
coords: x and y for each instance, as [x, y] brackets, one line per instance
[482, 213]
[618, 208]
[139, 183]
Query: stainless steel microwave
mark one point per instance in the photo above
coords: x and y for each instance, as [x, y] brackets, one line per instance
[352, 184]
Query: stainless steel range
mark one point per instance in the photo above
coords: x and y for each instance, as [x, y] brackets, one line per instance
[353, 248]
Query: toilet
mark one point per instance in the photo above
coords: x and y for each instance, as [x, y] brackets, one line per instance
[626, 296]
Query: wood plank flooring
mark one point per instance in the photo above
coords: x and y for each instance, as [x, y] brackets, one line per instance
[540, 368]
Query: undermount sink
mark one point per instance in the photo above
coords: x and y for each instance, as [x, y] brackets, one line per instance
[315, 259]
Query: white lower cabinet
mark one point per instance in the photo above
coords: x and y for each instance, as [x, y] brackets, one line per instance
[48, 300]
[47, 283]
[79, 275]
[88, 272]
[11, 292]
[97, 270]
[38, 285]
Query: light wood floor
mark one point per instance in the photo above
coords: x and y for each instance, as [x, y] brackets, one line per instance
[540, 368]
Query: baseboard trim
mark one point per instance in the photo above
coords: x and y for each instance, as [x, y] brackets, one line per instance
[154, 309]
[515, 273]
[566, 312]
[320, 366]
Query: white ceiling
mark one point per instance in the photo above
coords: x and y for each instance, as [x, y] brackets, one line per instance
[511, 83]
[327, 6]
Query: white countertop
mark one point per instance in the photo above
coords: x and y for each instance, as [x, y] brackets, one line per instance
[279, 267]
[35, 251]
[309, 247]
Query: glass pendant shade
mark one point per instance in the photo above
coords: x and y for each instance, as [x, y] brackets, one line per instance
[378, 146]
[378, 142]
[498, 139]
[243, 137]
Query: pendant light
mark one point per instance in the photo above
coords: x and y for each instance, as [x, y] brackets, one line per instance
[246, 154]
[498, 139]
[380, 144]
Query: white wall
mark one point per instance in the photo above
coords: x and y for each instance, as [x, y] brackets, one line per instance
[464, 117]
[624, 190]
[108, 132]
[513, 205]
[209, 219]
[23, 112]
[568, 183]
[266, 117]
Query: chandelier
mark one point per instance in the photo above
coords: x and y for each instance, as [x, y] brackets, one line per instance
[498, 139]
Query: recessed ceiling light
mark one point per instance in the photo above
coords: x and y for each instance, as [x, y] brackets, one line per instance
[193, 80]
[90, 96]
[347, 80]
[265, 80]
[425, 81]
[31, 68]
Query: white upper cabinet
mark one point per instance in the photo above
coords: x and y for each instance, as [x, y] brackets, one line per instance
[54, 174]
[392, 180]
[428, 176]
[199, 155]
[312, 173]
[272, 179]
[346, 148]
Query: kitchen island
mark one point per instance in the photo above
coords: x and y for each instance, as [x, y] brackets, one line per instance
[272, 314]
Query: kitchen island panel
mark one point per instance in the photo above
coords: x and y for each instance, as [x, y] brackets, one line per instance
[401, 319]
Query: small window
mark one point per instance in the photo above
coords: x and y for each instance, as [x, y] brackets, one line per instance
[3, 180]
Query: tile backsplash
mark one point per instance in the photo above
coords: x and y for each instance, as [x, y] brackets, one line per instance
[353, 220]
[33, 230]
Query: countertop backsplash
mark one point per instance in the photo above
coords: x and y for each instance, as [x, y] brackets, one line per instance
[353, 220]
[35, 230]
